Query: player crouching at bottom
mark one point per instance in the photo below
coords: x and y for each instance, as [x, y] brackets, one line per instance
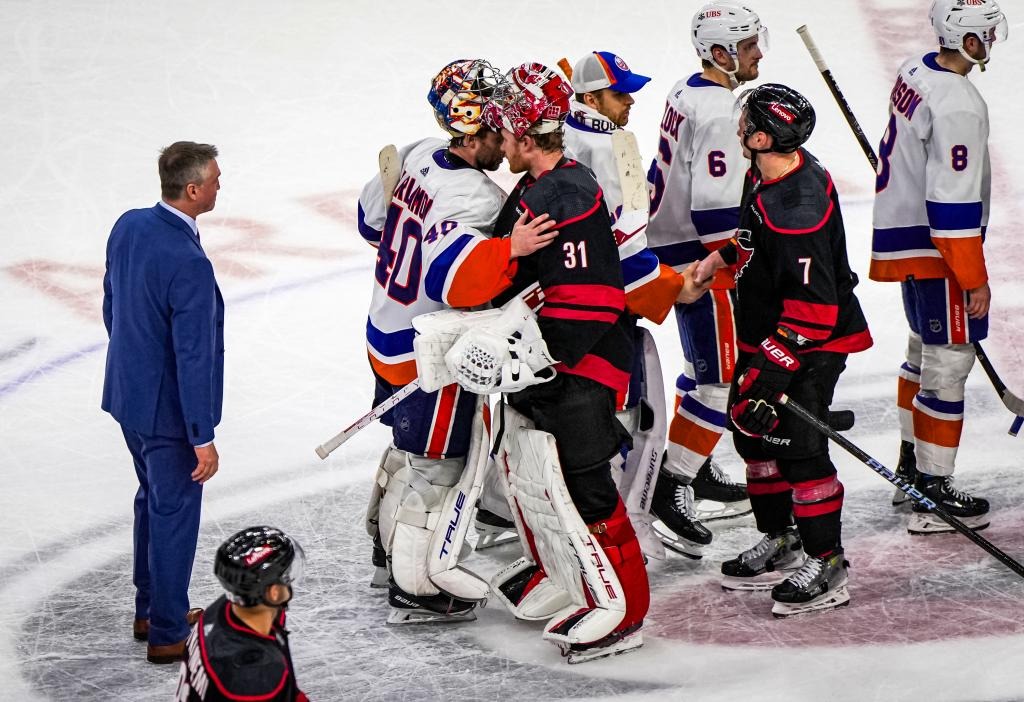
[239, 649]
[797, 319]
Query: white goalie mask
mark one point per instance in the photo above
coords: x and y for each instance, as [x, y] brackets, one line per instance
[955, 19]
[726, 24]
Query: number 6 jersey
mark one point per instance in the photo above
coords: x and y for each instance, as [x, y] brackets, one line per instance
[433, 249]
[934, 179]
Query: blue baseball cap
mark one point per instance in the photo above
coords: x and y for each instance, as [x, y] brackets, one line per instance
[603, 69]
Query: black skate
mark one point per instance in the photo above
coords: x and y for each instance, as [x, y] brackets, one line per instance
[972, 511]
[772, 560]
[617, 642]
[820, 584]
[678, 527]
[493, 529]
[380, 564]
[716, 495]
[422, 609]
[906, 470]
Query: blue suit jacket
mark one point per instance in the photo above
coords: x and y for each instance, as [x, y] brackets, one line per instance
[165, 318]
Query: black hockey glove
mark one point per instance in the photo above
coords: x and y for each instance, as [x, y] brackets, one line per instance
[768, 375]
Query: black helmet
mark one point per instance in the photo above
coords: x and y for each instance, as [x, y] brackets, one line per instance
[781, 112]
[254, 559]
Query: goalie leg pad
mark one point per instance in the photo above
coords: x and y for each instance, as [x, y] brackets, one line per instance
[527, 591]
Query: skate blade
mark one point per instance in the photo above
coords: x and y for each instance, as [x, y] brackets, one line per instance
[419, 616]
[624, 645]
[487, 537]
[673, 541]
[923, 523]
[840, 597]
[899, 498]
[380, 578]
[765, 581]
[709, 510]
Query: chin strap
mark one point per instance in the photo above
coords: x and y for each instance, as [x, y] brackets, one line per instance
[978, 62]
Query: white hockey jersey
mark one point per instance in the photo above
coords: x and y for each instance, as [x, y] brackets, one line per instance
[696, 178]
[433, 249]
[934, 179]
[651, 288]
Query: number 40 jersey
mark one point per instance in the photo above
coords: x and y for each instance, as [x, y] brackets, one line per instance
[433, 249]
[934, 179]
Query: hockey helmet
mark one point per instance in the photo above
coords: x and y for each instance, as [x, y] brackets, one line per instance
[955, 19]
[459, 92]
[532, 98]
[725, 23]
[780, 112]
[254, 559]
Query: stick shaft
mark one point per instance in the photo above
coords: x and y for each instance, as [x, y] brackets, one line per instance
[325, 449]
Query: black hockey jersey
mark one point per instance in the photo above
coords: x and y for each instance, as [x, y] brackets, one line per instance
[227, 660]
[583, 320]
[792, 269]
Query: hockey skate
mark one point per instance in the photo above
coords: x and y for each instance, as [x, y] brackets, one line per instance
[677, 526]
[424, 609]
[906, 470]
[380, 565]
[972, 511]
[767, 564]
[819, 585]
[716, 495]
[617, 642]
[493, 530]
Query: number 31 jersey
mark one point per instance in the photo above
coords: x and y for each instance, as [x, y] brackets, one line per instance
[934, 179]
[433, 249]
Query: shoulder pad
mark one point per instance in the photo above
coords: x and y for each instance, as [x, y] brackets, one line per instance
[801, 204]
[565, 193]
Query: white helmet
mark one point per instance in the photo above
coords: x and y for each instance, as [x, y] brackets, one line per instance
[725, 23]
[955, 19]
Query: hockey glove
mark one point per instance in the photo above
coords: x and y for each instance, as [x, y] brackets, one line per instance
[768, 375]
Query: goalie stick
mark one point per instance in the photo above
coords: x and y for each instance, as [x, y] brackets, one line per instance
[1012, 402]
[907, 487]
[631, 171]
[390, 168]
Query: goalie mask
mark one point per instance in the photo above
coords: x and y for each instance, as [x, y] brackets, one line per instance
[254, 559]
[725, 24]
[782, 113]
[532, 99]
[459, 92]
[953, 20]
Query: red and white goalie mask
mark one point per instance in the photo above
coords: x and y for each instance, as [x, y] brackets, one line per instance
[532, 99]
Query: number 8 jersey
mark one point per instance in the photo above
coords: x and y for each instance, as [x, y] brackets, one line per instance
[433, 249]
[934, 179]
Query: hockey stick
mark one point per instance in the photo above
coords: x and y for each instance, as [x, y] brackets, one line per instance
[844, 106]
[631, 171]
[390, 169]
[1012, 402]
[908, 488]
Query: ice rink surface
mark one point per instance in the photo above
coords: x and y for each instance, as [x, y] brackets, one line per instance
[299, 97]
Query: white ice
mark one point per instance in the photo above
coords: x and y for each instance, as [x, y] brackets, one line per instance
[299, 97]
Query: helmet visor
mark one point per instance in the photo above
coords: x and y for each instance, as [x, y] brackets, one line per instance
[297, 568]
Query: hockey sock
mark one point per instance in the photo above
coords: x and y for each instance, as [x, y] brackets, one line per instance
[817, 507]
[907, 386]
[617, 538]
[770, 496]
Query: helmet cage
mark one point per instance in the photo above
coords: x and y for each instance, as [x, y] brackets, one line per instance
[459, 93]
[532, 99]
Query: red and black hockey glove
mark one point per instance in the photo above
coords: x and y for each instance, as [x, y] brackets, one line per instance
[768, 376]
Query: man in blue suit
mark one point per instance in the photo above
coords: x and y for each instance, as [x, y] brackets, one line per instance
[164, 383]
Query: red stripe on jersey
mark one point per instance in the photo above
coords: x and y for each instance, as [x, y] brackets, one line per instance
[725, 325]
[819, 225]
[820, 315]
[598, 370]
[592, 210]
[586, 295]
[444, 410]
[578, 315]
[847, 344]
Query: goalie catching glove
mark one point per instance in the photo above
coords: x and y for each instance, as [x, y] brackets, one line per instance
[768, 376]
[505, 355]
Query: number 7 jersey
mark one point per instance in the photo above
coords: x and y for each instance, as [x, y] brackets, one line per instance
[433, 249]
[934, 179]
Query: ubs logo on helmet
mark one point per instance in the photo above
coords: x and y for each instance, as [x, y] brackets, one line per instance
[709, 14]
[781, 112]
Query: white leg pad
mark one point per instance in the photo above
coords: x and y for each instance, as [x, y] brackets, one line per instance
[527, 592]
[565, 548]
[390, 462]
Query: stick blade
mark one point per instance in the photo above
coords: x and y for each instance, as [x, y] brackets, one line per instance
[631, 171]
[390, 168]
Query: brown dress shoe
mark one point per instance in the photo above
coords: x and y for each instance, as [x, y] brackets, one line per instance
[171, 653]
[140, 627]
